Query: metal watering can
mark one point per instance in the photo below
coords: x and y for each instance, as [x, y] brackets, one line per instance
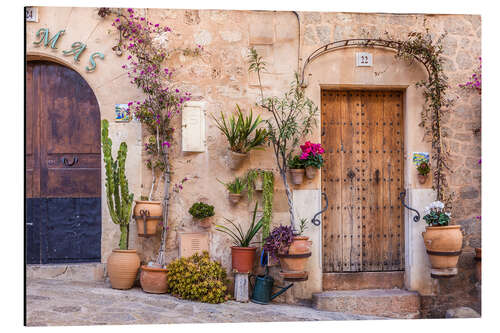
[262, 291]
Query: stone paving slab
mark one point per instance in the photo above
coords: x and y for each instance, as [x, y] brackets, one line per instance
[59, 303]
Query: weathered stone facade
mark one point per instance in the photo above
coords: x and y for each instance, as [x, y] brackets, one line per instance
[219, 77]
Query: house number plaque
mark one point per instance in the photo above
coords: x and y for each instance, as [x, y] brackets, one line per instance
[364, 59]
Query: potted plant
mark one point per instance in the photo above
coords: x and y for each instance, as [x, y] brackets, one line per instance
[423, 170]
[242, 253]
[311, 155]
[123, 263]
[202, 212]
[296, 167]
[442, 241]
[235, 188]
[238, 130]
[291, 249]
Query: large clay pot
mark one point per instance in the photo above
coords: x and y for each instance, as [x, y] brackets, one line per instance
[311, 172]
[298, 254]
[297, 176]
[478, 263]
[422, 178]
[153, 279]
[242, 258]
[234, 198]
[236, 159]
[153, 208]
[122, 268]
[444, 245]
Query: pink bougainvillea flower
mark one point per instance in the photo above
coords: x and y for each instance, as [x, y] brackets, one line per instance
[165, 143]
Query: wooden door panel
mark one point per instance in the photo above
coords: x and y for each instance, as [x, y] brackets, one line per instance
[362, 135]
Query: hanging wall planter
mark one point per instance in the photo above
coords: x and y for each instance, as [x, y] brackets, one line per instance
[311, 172]
[153, 279]
[297, 176]
[234, 198]
[202, 214]
[148, 215]
[422, 179]
[236, 159]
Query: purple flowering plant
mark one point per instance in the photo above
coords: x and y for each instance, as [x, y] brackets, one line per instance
[278, 241]
[475, 81]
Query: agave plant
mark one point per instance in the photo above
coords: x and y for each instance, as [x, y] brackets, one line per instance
[240, 238]
[237, 186]
[238, 130]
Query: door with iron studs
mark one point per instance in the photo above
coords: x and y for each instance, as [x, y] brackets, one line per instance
[363, 228]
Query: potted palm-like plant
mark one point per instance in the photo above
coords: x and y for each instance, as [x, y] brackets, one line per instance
[123, 263]
[442, 241]
[238, 130]
[423, 170]
[242, 253]
[235, 188]
[202, 212]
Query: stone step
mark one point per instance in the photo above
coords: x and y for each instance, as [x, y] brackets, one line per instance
[67, 272]
[391, 303]
[363, 280]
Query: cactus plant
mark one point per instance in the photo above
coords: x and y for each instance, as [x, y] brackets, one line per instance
[118, 198]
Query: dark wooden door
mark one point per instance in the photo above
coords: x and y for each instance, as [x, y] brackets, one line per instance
[63, 176]
[362, 176]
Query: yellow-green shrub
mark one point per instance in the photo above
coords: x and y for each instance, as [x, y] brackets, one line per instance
[198, 278]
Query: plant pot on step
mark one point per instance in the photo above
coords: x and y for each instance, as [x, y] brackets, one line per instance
[297, 176]
[242, 258]
[152, 211]
[478, 263]
[444, 246]
[422, 179]
[236, 159]
[296, 259]
[153, 279]
[122, 268]
[311, 172]
[234, 198]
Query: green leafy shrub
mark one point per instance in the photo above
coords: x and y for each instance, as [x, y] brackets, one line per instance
[296, 163]
[201, 210]
[198, 278]
[237, 186]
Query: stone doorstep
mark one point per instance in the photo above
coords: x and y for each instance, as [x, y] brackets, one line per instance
[67, 272]
[391, 303]
[363, 280]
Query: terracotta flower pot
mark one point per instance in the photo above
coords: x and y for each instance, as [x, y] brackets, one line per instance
[311, 172]
[444, 245]
[422, 179]
[297, 176]
[153, 208]
[204, 223]
[242, 258]
[122, 268]
[259, 184]
[296, 259]
[234, 198]
[478, 263]
[153, 279]
[236, 159]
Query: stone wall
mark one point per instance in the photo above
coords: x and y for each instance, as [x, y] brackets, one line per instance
[219, 77]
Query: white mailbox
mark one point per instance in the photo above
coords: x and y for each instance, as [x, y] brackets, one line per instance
[193, 127]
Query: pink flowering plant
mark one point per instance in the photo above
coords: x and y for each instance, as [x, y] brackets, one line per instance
[475, 81]
[311, 154]
[148, 53]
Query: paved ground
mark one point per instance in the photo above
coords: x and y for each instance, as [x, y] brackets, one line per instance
[55, 302]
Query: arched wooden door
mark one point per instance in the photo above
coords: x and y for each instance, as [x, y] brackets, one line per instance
[63, 167]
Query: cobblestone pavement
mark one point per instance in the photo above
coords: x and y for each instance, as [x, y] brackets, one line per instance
[55, 302]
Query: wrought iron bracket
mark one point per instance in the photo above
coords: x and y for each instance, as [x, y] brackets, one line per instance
[145, 216]
[402, 195]
[315, 220]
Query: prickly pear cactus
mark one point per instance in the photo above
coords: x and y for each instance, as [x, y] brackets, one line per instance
[118, 198]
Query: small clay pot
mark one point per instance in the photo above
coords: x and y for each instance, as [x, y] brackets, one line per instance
[236, 159]
[259, 184]
[153, 208]
[422, 179]
[242, 258]
[153, 279]
[300, 245]
[122, 268]
[478, 263]
[234, 198]
[297, 176]
[311, 172]
[204, 223]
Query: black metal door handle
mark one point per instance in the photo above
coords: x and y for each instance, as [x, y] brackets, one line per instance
[315, 220]
[65, 161]
[402, 195]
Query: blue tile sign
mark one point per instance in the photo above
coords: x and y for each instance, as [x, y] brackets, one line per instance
[122, 113]
[420, 157]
